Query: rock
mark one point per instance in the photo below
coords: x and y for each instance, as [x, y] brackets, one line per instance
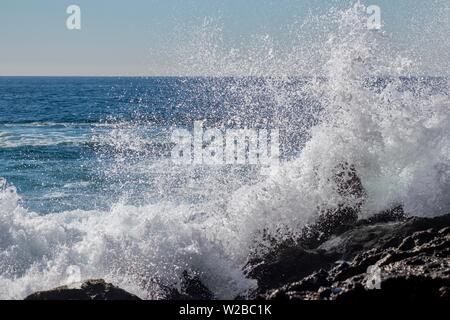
[335, 236]
[191, 289]
[96, 289]
[329, 223]
[336, 221]
[401, 260]
[297, 256]
[286, 265]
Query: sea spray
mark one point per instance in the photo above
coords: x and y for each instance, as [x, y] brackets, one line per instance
[352, 108]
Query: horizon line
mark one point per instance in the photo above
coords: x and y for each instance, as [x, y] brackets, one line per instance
[194, 76]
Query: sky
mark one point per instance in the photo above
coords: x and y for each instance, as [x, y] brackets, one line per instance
[145, 37]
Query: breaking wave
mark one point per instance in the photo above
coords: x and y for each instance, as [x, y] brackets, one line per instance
[357, 109]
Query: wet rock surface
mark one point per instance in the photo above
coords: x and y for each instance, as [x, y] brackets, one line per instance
[191, 289]
[96, 289]
[387, 257]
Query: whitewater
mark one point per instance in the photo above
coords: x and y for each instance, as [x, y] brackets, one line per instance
[397, 141]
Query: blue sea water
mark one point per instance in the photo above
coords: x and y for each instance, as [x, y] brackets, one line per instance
[69, 143]
[60, 137]
[48, 126]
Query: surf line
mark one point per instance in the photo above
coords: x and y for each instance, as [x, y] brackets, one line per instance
[192, 310]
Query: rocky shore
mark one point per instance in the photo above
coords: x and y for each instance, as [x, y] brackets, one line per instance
[404, 259]
[94, 289]
[340, 257]
[386, 257]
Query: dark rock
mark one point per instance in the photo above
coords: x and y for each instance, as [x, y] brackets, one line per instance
[336, 234]
[191, 289]
[407, 244]
[332, 222]
[297, 255]
[422, 237]
[286, 264]
[407, 259]
[96, 289]
[394, 214]
[341, 219]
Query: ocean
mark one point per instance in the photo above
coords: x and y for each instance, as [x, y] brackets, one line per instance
[61, 137]
[88, 187]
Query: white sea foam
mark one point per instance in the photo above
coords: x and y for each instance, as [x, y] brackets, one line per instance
[41, 134]
[398, 142]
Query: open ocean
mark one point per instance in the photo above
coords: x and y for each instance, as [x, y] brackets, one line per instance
[60, 137]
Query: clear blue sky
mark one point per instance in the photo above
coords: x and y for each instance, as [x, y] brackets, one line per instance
[139, 37]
